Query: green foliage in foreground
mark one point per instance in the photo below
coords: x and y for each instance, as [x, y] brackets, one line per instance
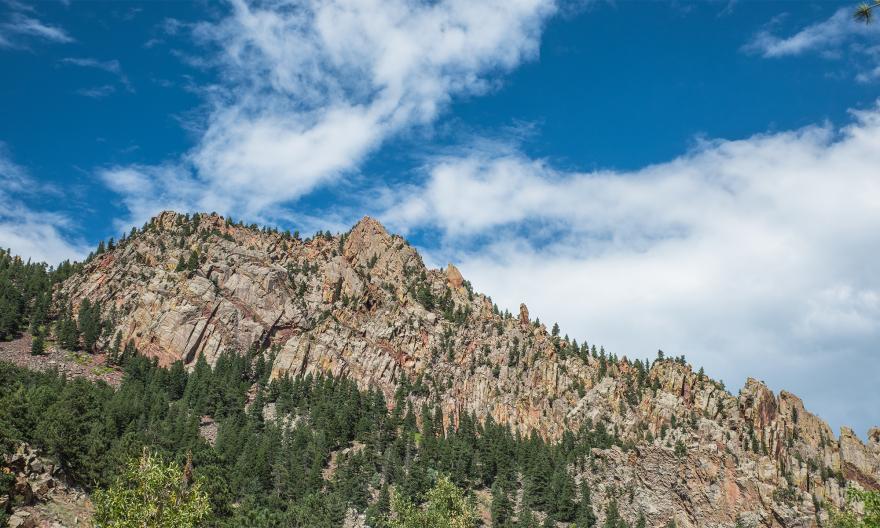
[850, 519]
[151, 494]
[445, 507]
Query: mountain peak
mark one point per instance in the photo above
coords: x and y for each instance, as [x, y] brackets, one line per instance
[453, 276]
[364, 306]
[370, 244]
[371, 224]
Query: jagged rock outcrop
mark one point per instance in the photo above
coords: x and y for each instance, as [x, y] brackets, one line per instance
[40, 494]
[364, 305]
[453, 277]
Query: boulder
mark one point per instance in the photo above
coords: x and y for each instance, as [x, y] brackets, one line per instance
[22, 493]
[42, 485]
[21, 519]
[453, 277]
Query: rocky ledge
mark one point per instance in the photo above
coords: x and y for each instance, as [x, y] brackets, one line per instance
[40, 495]
[363, 305]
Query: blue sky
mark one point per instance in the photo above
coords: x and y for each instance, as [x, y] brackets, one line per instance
[694, 176]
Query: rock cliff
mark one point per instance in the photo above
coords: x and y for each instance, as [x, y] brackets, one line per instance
[364, 305]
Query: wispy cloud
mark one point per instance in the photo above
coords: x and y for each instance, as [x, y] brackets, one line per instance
[827, 38]
[110, 66]
[753, 257]
[97, 92]
[20, 27]
[15, 5]
[29, 232]
[146, 189]
[130, 13]
[308, 93]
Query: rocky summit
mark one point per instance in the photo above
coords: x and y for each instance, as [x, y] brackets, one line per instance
[364, 306]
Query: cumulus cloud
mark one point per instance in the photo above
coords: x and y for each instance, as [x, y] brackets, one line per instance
[752, 257]
[309, 89]
[147, 189]
[35, 234]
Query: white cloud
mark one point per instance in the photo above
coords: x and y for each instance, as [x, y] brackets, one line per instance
[827, 38]
[752, 257]
[109, 66]
[97, 92]
[21, 26]
[309, 89]
[147, 189]
[38, 235]
[828, 33]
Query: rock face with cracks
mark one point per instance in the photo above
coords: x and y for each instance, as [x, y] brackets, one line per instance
[364, 305]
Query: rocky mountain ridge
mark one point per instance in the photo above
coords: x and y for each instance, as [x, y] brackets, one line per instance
[364, 305]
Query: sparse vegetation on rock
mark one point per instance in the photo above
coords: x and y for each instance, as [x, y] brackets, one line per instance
[296, 349]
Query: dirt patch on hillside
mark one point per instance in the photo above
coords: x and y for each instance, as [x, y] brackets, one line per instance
[72, 364]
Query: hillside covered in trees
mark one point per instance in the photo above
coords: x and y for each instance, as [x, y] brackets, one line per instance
[307, 451]
[336, 381]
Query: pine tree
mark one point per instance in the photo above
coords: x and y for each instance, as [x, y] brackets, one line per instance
[40, 313]
[612, 516]
[113, 356]
[378, 511]
[176, 380]
[501, 508]
[89, 324]
[641, 522]
[67, 331]
[38, 347]
[193, 262]
[128, 353]
[537, 489]
[255, 411]
[525, 518]
[586, 516]
[563, 495]
[680, 449]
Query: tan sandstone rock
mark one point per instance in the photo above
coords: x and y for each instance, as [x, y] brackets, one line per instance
[363, 305]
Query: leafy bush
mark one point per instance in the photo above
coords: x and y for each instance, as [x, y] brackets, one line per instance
[445, 507]
[848, 518]
[152, 494]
